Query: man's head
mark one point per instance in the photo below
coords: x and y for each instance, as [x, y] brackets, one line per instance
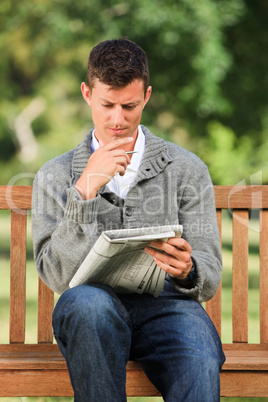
[116, 63]
[117, 89]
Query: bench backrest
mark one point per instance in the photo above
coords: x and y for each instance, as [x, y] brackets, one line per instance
[239, 200]
[18, 200]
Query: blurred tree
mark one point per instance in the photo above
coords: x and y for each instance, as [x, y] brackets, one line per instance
[246, 83]
[201, 70]
[224, 154]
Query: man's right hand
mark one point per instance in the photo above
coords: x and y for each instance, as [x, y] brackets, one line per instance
[102, 166]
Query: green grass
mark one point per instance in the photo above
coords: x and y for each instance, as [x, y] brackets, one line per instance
[32, 288]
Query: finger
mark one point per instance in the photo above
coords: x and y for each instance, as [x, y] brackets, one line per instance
[170, 254]
[179, 243]
[175, 268]
[121, 170]
[175, 272]
[164, 257]
[118, 165]
[118, 143]
[162, 245]
[120, 152]
[121, 162]
[166, 247]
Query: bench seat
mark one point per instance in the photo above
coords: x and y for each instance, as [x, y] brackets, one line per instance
[44, 357]
[41, 370]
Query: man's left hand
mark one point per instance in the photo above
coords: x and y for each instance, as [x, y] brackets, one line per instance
[173, 256]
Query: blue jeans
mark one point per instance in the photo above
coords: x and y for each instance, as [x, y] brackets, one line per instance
[98, 331]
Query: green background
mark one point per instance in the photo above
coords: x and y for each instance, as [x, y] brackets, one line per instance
[208, 65]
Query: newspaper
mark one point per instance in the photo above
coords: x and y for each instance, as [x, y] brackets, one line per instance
[118, 259]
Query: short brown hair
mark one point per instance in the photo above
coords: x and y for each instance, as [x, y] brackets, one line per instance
[117, 63]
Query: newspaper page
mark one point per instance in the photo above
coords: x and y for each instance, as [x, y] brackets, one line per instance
[118, 259]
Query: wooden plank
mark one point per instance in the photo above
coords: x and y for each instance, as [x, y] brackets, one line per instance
[245, 384]
[31, 357]
[241, 197]
[246, 347]
[264, 276]
[246, 360]
[137, 383]
[35, 383]
[30, 347]
[240, 276]
[57, 383]
[45, 309]
[43, 357]
[17, 277]
[227, 197]
[15, 197]
[219, 222]
[213, 306]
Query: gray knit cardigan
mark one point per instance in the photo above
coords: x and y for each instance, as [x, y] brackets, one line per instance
[172, 186]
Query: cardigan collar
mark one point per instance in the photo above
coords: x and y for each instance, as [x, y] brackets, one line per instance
[155, 157]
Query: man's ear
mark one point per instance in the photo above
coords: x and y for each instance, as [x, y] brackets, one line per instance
[86, 92]
[147, 95]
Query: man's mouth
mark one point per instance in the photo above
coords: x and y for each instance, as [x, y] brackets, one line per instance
[117, 130]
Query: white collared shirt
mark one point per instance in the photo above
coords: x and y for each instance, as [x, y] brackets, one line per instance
[121, 184]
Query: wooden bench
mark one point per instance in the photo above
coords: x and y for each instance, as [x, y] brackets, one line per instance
[40, 370]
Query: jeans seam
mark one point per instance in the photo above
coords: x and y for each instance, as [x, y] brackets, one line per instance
[156, 351]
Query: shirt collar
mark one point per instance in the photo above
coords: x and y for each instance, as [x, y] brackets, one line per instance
[139, 148]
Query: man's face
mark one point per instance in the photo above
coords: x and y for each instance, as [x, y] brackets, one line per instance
[116, 113]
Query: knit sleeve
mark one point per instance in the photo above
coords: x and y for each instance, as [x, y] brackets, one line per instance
[64, 228]
[197, 214]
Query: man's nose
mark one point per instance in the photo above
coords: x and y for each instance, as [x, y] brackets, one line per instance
[118, 115]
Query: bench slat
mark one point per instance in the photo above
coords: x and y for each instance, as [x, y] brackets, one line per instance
[35, 383]
[15, 197]
[264, 276]
[244, 384]
[45, 357]
[17, 277]
[213, 306]
[45, 309]
[241, 197]
[57, 383]
[240, 276]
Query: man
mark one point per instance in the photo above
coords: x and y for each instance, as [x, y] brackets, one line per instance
[99, 186]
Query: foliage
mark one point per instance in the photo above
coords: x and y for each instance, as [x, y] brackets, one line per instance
[206, 64]
[225, 155]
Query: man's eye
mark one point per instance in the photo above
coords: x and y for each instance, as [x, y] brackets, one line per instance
[108, 106]
[128, 107]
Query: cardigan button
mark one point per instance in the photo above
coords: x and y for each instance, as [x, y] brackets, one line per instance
[129, 211]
